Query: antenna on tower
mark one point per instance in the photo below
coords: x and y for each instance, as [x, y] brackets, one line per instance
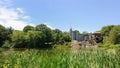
[70, 26]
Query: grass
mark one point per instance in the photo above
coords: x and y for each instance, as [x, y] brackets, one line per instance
[109, 46]
[60, 58]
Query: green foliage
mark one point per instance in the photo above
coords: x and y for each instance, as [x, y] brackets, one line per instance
[36, 39]
[111, 34]
[114, 36]
[66, 37]
[19, 39]
[31, 39]
[86, 33]
[60, 37]
[7, 44]
[28, 28]
[2, 34]
[105, 40]
[109, 46]
[60, 59]
[46, 30]
[40, 37]
[9, 33]
[77, 31]
[57, 35]
[5, 34]
[106, 30]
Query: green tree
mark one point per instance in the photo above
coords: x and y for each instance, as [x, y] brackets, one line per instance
[28, 28]
[36, 39]
[114, 36]
[106, 30]
[3, 35]
[20, 39]
[9, 33]
[66, 37]
[57, 35]
[8, 40]
[77, 31]
[46, 31]
[85, 33]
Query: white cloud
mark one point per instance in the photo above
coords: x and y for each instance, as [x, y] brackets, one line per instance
[8, 14]
[5, 3]
[13, 17]
[50, 27]
[20, 10]
[26, 17]
[15, 24]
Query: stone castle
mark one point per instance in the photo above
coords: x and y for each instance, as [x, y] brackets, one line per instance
[75, 35]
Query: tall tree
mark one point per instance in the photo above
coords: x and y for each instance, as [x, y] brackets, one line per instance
[36, 39]
[3, 34]
[28, 28]
[46, 30]
[9, 33]
[57, 35]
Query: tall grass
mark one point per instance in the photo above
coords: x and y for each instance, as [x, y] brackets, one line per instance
[84, 58]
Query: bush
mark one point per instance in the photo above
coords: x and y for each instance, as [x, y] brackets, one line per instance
[7, 44]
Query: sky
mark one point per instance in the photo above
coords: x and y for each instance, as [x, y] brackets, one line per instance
[82, 15]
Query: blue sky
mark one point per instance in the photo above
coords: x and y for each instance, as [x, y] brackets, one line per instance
[83, 15]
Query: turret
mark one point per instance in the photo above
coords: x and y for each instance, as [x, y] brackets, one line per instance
[71, 33]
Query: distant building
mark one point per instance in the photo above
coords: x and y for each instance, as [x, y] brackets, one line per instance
[80, 37]
[76, 36]
[97, 36]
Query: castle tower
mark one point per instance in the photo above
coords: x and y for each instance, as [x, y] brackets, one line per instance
[71, 33]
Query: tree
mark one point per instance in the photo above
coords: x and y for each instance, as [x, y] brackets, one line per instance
[66, 37]
[106, 30]
[86, 33]
[20, 39]
[9, 33]
[3, 35]
[46, 30]
[31, 39]
[77, 31]
[8, 40]
[36, 39]
[28, 28]
[56, 35]
[114, 36]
